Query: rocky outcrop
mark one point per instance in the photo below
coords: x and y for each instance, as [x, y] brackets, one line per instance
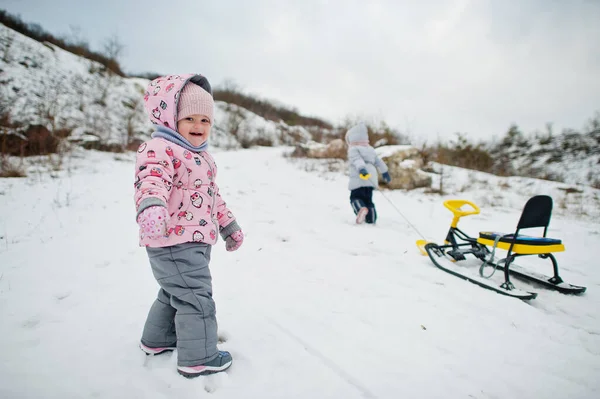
[404, 164]
[335, 149]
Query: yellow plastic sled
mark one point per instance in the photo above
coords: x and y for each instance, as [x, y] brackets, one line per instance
[536, 214]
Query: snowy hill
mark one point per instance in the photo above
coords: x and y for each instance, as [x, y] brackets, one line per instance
[43, 84]
[571, 156]
[311, 306]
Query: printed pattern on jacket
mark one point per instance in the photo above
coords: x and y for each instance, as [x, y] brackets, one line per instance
[184, 182]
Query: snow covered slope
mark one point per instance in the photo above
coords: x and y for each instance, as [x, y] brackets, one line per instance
[311, 306]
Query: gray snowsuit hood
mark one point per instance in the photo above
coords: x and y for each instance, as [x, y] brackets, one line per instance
[358, 134]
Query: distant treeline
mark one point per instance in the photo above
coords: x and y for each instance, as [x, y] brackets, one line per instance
[267, 109]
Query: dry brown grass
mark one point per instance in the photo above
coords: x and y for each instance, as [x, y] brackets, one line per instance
[9, 169]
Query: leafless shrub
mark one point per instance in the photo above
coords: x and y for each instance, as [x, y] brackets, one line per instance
[113, 47]
[425, 153]
[294, 136]
[247, 142]
[462, 153]
[235, 118]
[8, 168]
[19, 140]
[230, 93]
[54, 97]
[103, 146]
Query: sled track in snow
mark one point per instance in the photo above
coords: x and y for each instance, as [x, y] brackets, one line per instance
[327, 361]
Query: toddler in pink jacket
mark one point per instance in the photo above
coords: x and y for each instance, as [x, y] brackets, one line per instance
[181, 213]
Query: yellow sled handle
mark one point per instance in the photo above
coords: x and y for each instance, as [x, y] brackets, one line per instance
[455, 208]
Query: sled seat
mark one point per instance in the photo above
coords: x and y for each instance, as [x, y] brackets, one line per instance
[536, 213]
[522, 244]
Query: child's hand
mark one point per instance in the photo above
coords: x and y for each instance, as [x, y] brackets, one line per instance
[364, 174]
[234, 240]
[153, 221]
[386, 177]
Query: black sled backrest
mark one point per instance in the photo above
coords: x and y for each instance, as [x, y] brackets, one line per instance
[536, 213]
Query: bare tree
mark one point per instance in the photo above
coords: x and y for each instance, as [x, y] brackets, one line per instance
[75, 37]
[54, 98]
[229, 85]
[593, 124]
[113, 47]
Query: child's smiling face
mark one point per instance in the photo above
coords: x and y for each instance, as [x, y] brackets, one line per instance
[195, 129]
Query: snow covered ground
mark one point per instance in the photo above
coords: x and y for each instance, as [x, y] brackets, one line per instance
[311, 306]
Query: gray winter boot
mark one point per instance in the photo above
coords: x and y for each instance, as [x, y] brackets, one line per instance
[220, 363]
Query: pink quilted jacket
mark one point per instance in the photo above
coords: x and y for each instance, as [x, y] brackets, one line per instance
[169, 175]
[185, 181]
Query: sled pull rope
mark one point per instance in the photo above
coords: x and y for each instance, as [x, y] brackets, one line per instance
[491, 260]
[398, 210]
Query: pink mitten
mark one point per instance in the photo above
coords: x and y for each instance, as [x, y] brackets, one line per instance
[153, 221]
[234, 240]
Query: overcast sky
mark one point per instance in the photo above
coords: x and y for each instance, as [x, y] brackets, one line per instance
[428, 68]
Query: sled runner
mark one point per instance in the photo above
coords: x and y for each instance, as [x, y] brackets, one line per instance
[458, 246]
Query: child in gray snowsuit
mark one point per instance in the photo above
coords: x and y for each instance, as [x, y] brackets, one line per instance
[363, 167]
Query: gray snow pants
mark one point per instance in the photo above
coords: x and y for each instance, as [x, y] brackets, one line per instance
[184, 312]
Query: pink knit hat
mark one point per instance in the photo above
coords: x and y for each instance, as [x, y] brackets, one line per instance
[193, 99]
